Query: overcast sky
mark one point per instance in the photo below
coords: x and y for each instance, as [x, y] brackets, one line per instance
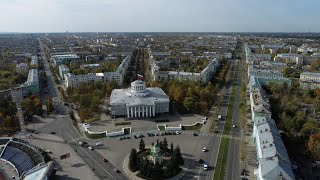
[159, 15]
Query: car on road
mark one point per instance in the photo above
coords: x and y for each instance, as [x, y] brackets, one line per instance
[205, 166]
[80, 143]
[36, 132]
[195, 134]
[105, 160]
[91, 148]
[234, 126]
[204, 149]
[99, 144]
[116, 170]
[219, 117]
[52, 132]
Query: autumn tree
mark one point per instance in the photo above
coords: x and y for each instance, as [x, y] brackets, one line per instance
[314, 145]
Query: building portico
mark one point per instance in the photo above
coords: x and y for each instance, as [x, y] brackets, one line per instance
[140, 111]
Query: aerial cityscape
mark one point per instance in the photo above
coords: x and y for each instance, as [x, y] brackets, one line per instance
[89, 93]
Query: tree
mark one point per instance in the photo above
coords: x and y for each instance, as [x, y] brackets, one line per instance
[310, 127]
[165, 144]
[171, 146]
[142, 145]
[177, 156]
[189, 103]
[314, 145]
[133, 160]
[158, 171]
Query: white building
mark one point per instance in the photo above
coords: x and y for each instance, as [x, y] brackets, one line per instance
[252, 58]
[64, 58]
[309, 80]
[63, 69]
[289, 58]
[272, 156]
[205, 75]
[71, 80]
[138, 101]
[266, 76]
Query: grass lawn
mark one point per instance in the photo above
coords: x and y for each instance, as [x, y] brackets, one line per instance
[193, 128]
[228, 122]
[222, 159]
[96, 136]
[122, 123]
[161, 128]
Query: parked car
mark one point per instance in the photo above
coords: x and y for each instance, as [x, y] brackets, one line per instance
[91, 148]
[116, 170]
[195, 134]
[177, 132]
[105, 160]
[52, 132]
[204, 149]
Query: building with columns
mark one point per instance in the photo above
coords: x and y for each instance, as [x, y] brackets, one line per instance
[138, 101]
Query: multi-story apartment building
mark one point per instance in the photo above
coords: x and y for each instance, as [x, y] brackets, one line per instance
[63, 69]
[309, 80]
[273, 65]
[71, 80]
[252, 58]
[32, 84]
[205, 75]
[64, 58]
[289, 58]
[266, 76]
[272, 156]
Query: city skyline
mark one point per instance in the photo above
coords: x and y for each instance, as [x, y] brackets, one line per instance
[158, 16]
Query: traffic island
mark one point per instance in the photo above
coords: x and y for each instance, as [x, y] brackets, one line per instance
[156, 162]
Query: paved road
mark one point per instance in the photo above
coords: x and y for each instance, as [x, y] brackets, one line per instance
[214, 144]
[233, 166]
[64, 128]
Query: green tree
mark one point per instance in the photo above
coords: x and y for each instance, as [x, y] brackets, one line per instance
[189, 103]
[133, 160]
[171, 146]
[142, 145]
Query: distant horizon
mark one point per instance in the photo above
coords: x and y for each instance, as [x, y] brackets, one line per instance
[39, 16]
[61, 32]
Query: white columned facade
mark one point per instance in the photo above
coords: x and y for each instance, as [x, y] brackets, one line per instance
[154, 110]
[135, 111]
[147, 111]
[128, 115]
[139, 111]
[131, 111]
[142, 111]
[150, 110]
